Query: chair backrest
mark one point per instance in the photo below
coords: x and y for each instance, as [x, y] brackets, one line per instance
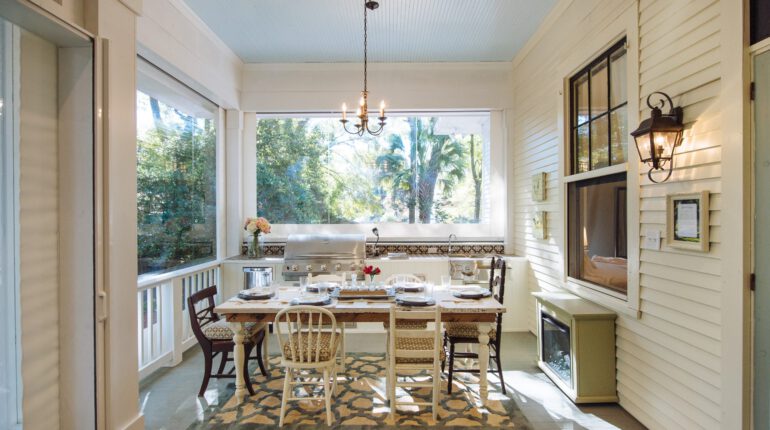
[401, 314]
[200, 307]
[304, 327]
[326, 278]
[497, 285]
[402, 277]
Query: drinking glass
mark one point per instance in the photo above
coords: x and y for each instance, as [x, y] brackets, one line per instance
[446, 282]
[428, 290]
[353, 278]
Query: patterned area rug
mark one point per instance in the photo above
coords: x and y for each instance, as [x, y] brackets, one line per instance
[360, 403]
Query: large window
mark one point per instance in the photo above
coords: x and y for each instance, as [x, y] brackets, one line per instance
[176, 173]
[425, 169]
[596, 191]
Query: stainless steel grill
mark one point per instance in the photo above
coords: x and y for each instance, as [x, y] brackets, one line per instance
[317, 254]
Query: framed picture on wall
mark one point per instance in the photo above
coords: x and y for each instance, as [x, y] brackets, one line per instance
[539, 229]
[538, 187]
[687, 221]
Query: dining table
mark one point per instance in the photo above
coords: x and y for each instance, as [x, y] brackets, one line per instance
[239, 312]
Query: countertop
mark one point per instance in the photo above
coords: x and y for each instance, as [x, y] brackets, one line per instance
[437, 257]
[577, 307]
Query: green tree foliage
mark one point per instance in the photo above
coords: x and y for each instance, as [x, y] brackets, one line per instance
[176, 190]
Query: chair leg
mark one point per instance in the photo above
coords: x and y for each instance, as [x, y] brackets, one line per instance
[443, 363]
[223, 362]
[342, 348]
[246, 375]
[500, 370]
[286, 384]
[260, 360]
[436, 391]
[328, 398]
[206, 371]
[451, 367]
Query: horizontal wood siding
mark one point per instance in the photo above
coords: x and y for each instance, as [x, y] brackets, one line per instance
[668, 360]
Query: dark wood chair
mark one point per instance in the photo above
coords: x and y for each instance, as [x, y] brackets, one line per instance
[215, 338]
[467, 333]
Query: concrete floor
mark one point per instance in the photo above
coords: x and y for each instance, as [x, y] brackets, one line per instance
[168, 398]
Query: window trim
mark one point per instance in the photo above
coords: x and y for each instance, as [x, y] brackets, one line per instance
[626, 26]
[494, 231]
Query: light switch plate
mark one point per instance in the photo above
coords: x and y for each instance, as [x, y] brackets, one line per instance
[651, 240]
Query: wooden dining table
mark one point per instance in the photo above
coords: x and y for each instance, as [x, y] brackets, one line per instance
[238, 312]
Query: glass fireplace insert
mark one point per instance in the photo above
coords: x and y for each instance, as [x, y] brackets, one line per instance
[556, 347]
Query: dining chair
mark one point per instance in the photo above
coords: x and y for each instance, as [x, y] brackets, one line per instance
[340, 278]
[215, 337]
[467, 333]
[307, 346]
[411, 350]
[402, 277]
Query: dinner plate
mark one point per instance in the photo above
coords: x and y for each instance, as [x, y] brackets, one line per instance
[256, 294]
[472, 293]
[318, 286]
[312, 301]
[410, 287]
[413, 300]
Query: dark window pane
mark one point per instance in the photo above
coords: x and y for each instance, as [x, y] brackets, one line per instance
[619, 135]
[599, 97]
[581, 137]
[618, 79]
[600, 144]
[580, 89]
[597, 231]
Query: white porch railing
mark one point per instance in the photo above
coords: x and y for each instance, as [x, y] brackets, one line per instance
[164, 324]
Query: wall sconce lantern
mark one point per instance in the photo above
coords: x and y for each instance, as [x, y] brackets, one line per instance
[658, 136]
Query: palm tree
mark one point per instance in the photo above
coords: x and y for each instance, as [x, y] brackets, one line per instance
[413, 172]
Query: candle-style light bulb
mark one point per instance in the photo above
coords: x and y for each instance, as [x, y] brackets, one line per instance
[361, 102]
[344, 111]
[382, 108]
[358, 112]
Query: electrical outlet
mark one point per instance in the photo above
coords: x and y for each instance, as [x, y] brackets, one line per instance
[651, 240]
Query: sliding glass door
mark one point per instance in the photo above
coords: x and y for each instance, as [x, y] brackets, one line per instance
[9, 351]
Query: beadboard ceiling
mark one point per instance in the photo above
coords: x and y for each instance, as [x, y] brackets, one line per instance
[331, 31]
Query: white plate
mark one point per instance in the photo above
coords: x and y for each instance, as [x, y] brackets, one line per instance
[414, 299]
[473, 291]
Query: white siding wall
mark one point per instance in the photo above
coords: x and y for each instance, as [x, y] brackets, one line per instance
[669, 360]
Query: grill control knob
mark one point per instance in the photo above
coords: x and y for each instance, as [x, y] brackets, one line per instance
[309, 267]
[294, 267]
[337, 267]
[323, 267]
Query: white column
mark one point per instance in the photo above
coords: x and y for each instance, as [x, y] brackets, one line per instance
[249, 164]
[233, 181]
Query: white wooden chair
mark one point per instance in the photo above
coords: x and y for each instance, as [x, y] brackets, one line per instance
[405, 277]
[307, 346]
[341, 279]
[415, 349]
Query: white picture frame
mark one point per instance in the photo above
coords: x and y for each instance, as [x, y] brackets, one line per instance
[687, 221]
[539, 225]
[538, 187]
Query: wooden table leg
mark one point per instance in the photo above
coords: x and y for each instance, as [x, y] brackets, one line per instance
[266, 348]
[238, 353]
[483, 360]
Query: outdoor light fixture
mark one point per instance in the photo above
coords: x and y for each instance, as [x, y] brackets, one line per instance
[362, 113]
[657, 137]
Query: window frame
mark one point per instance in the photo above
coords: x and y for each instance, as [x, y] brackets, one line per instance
[586, 71]
[625, 26]
[494, 231]
[220, 198]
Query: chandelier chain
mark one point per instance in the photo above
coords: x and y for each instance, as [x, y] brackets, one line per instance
[366, 32]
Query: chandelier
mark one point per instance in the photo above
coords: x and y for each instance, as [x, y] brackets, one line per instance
[362, 113]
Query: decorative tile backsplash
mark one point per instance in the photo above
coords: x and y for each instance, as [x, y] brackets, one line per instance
[275, 249]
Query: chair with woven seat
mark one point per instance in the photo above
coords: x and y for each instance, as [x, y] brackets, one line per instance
[341, 280]
[306, 345]
[411, 350]
[407, 324]
[467, 333]
[215, 337]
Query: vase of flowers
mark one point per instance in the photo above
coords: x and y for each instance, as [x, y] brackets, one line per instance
[372, 272]
[256, 227]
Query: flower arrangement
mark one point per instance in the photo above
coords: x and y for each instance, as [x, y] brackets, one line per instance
[372, 272]
[256, 226]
